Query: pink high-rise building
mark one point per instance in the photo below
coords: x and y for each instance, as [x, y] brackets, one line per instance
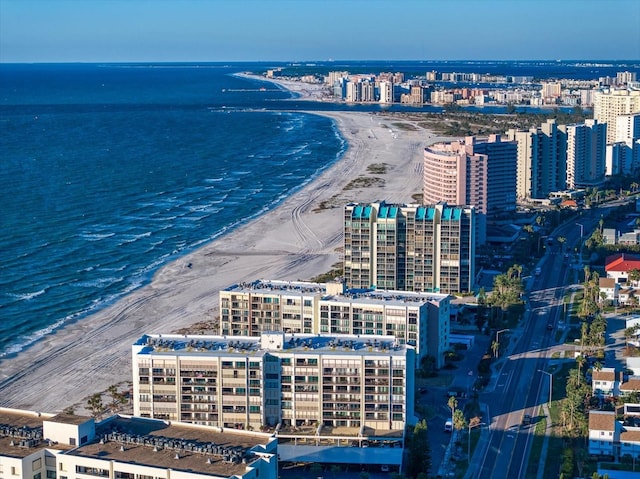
[478, 173]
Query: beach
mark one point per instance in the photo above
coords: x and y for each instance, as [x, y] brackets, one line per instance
[298, 240]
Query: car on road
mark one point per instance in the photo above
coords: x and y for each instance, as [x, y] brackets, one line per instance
[448, 426]
[384, 468]
[526, 420]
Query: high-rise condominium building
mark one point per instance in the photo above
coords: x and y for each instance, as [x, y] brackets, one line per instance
[421, 320]
[542, 160]
[478, 173]
[627, 145]
[608, 105]
[386, 91]
[586, 154]
[292, 380]
[409, 247]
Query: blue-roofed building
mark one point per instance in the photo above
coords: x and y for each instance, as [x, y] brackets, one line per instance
[424, 248]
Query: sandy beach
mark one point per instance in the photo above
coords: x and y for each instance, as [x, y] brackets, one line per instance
[298, 240]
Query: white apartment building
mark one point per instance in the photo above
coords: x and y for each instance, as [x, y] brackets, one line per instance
[276, 380]
[386, 91]
[421, 320]
[542, 157]
[37, 446]
[608, 105]
[586, 154]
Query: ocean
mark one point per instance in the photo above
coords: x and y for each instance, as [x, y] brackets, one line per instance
[110, 171]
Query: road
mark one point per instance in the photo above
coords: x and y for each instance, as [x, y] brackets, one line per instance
[521, 386]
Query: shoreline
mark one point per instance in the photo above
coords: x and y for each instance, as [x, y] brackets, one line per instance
[298, 239]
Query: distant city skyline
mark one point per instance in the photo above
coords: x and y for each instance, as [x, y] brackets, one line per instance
[288, 30]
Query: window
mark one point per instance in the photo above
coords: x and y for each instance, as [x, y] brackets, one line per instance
[36, 464]
[37, 475]
[51, 474]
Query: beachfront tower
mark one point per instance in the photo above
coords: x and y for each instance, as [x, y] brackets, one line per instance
[608, 105]
[542, 160]
[586, 154]
[409, 247]
[479, 173]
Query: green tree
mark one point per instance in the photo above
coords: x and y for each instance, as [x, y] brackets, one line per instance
[459, 421]
[116, 397]
[95, 405]
[419, 454]
[453, 404]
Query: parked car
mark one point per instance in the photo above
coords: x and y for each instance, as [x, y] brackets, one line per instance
[526, 420]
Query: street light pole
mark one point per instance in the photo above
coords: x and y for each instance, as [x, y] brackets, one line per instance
[581, 241]
[497, 342]
[550, 383]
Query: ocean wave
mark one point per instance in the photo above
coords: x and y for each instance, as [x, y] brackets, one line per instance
[25, 341]
[99, 282]
[130, 238]
[96, 236]
[27, 296]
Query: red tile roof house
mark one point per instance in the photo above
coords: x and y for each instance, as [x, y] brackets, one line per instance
[618, 266]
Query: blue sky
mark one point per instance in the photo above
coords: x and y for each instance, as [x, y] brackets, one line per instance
[293, 30]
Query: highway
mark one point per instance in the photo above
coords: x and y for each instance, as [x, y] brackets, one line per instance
[521, 386]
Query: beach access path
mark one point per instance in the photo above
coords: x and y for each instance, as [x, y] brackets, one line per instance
[300, 239]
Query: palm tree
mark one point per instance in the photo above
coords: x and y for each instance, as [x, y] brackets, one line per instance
[453, 404]
[580, 360]
[495, 345]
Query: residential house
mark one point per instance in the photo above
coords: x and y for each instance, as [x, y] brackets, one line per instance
[604, 433]
[609, 288]
[604, 382]
[619, 265]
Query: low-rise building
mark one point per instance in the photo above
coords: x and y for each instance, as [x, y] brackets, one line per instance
[619, 265]
[604, 433]
[36, 445]
[610, 289]
[604, 382]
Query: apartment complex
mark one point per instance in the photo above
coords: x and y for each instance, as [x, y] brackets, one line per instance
[608, 105]
[277, 379]
[419, 319]
[475, 172]
[409, 247]
[541, 163]
[586, 154]
[37, 446]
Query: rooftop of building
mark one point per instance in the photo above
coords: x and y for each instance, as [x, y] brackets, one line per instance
[206, 450]
[335, 293]
[602, 420]
[300, 288]
[256, 346]
[399, 298]
[21, 433]
[622, 262]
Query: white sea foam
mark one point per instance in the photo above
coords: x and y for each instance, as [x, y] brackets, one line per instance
[96, 236]
[27, 296]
